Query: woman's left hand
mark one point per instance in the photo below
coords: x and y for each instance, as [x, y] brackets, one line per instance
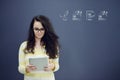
[50, 67]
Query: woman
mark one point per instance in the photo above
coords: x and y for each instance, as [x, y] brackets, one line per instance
[42, 41]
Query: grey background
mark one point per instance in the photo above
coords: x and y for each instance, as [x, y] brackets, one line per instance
[90, 50]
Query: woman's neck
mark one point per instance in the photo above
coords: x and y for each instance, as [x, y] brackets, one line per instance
[37, 42]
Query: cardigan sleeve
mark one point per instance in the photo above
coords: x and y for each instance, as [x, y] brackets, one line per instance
[22, 64]
[56, 63]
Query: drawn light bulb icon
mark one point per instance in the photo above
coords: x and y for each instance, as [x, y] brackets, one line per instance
[64, 17]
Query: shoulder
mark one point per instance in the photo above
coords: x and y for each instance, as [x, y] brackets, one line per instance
[23, 44]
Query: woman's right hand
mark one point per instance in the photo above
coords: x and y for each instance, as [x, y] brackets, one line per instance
[30, 68]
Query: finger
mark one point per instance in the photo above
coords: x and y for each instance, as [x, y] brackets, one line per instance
[33, 67]
[45, 68]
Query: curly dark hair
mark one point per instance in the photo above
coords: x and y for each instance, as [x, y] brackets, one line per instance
[49, 40]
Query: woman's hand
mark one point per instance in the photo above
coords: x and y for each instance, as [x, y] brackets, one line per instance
[30, 68]
[50, 67]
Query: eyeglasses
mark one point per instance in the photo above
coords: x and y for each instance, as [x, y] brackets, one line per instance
[37, 29]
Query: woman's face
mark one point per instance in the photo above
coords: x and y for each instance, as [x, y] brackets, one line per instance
[39, 30]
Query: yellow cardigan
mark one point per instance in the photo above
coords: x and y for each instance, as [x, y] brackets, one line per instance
[24, 61]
